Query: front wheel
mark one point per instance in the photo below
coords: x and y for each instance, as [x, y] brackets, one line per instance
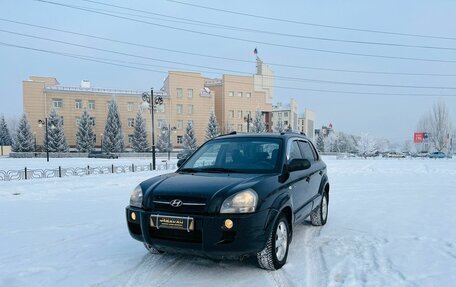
[275, 254]
[319, 216]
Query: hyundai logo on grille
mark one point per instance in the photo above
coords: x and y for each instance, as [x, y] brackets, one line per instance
[176, 203]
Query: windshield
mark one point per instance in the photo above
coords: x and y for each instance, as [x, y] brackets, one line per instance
[243, 155]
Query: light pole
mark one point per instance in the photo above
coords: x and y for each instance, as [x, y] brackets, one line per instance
[101, 146]
[151, 100]
[248, 119]
[40, 124]
[169, 130]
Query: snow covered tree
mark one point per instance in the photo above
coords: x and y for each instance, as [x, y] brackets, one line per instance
[163, 142]
[320, 145]
[189, 141]
[5, 137]
[440, 126]
[56, 141]
[259, 125]
[280, 127]
[139, 142]
[212, 129]
[85, 138]
[113, 138]
[24, 140]
[365, 145]
[406, 147]
[331, 142]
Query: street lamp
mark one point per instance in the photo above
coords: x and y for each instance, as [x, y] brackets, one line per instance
[248, 119]
[34, 135]
[151, 100]
[169, 129]
[101, 146]
[40, 124]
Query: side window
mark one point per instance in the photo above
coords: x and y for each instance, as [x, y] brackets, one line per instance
[307, 151]
[294, 151]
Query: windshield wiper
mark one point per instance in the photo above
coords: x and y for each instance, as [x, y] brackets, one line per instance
[187, 169]
[218, 169]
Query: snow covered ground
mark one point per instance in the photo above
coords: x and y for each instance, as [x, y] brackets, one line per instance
[391, 223]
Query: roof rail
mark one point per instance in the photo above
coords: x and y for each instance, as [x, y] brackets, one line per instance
[228, 134]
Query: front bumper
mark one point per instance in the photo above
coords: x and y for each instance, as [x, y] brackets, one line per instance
[209, 238]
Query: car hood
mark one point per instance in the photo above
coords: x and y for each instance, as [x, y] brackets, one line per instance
[196, 187]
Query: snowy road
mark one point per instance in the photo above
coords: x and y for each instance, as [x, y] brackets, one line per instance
[391, 223]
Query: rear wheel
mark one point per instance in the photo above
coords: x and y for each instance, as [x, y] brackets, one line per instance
[275, 254]
[152, 249]
[319, 216]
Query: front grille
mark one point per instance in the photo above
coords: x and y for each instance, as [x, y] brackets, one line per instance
[191, 205]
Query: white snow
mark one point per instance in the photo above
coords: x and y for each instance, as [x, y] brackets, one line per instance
[391, 223]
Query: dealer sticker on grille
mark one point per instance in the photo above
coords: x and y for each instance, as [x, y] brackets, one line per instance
[172, 222]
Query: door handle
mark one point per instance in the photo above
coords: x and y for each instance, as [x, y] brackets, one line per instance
[308, 179]
[320, 172]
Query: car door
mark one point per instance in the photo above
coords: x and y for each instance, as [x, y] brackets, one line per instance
[315, 172]
[297, 183]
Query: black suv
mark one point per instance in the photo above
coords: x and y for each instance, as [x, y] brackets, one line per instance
[237, 195]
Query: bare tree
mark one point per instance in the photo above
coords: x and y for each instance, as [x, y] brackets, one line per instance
[440, 126]
[366, 145]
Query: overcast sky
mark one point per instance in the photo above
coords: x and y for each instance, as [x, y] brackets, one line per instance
[390, 116]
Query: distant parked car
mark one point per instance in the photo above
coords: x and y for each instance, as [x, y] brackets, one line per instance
[102, 154]
[437, 154]
[421, 154]
[395, 154]
[184, 154]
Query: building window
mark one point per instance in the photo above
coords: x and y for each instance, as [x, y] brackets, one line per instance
[93, 120]
[94, 138]
[61, 118]
[161, 123]
[78, 104]
[239, 114]
[180, 124]
[285, 114]
[190, 109]
[239, 129]
[190, 93]
[179, 92]
[285, 123]
[231, 94]
[78, 120]
[239, 94]
[179, 109]
[131, 123]
[248, 95]
[57, 103]
[231, 114]
[130, 107]
[91, 105]
[130, 139]
[179, 140]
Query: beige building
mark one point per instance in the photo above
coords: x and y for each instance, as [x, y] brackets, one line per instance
[287, 114]
[186, 97]
[306, 124]
[236, 97]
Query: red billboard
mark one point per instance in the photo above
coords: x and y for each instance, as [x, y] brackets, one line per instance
[418, 137]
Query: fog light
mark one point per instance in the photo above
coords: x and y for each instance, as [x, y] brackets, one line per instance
[228, 223]
[133, 216]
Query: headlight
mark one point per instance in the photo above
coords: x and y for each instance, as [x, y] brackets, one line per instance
[136, 197]
[241, 202]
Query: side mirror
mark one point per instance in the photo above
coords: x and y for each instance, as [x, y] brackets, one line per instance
[180, 162]
[298, 164]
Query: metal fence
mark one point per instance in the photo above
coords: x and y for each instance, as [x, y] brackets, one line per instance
[28, 173]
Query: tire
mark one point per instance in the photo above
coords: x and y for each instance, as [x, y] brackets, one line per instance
[275, 254]
[152, 249]
[319, 216]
